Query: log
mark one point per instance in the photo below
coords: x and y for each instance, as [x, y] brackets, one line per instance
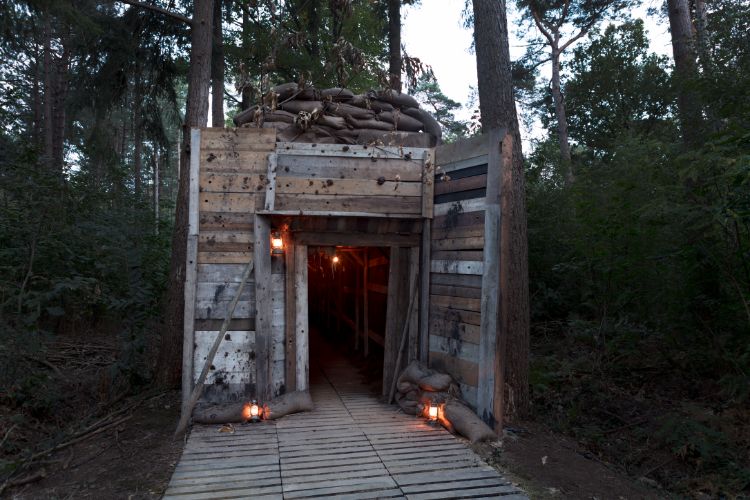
[467, 423]
[291, 402]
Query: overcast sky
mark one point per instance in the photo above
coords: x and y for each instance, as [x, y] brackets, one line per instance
[433, 32]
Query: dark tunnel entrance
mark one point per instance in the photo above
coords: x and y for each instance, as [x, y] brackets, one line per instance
[348, 296]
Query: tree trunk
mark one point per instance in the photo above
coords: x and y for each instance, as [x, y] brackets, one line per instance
[48, 120]
[246, 90]
[217, 70]
[394, 44]
[157, 188]
[60, 96]
[497, 108]
[199, 76]
[137, 135]
[683, 48]
[561, 116]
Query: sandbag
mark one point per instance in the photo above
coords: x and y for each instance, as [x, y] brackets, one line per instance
[414, 372]
[431, 125]
[408, 406]
[291, 402]
[347, 110]
[336, 122]
[285, 91]
[246, 116]
[295, 106]
[405, 386]
[397, 99]
[278, 116]
[414, 395]
[229, 413]
[369, 124]
[404, 139]
[336, 94]
[467, 423]
[435, 382]
[380, 106]
[401, 121]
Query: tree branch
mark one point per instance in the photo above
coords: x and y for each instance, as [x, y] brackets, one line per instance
[540, 26]
[160, 10]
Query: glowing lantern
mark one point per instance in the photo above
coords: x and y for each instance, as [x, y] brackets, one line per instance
[335, 259]
[433, 411]
[251, 412]
[277, 243]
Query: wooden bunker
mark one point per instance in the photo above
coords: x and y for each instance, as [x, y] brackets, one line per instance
[435, 211]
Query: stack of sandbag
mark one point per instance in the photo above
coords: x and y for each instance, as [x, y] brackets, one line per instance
[338, 116]
[418, 387]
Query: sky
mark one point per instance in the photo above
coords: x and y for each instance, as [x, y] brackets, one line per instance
[433, 32]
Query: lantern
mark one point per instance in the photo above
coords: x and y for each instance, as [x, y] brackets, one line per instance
[251, 412]
[335, 259]
[432, 413]
[277, 243]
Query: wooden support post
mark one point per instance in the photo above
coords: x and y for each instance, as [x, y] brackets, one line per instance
[357, 295]
[301, 322]
[398, 279]
[191, 271]
[413, 331]
[365, 309]
[264, 314]
[290, 323]
[489, 327]
[424, 292]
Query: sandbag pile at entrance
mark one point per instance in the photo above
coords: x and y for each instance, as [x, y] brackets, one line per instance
[338, 116]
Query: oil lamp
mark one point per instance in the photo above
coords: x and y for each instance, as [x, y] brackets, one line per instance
[251, 412]
[432, 413]
[277, 243]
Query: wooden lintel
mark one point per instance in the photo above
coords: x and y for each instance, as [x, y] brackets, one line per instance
[356, 239]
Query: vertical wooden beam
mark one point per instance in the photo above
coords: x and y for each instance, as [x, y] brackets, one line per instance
[413, 345]
[301, 325]
[290, 323]
[365, 303]
[270, 201]
[357, 295]
[428, 183]
[264, 312]
[424, 292]
[395, 314]
[191, 270]
[491, 293]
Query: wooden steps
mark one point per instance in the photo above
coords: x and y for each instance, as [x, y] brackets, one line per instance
[350, 447]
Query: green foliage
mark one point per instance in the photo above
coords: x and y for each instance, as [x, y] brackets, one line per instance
[443, 108]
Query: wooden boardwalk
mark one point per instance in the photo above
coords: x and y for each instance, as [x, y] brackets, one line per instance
[351, 447]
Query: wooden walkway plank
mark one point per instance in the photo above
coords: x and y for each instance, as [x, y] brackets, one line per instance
[351, 446]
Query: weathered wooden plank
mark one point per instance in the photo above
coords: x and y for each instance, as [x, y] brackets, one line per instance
[230, 202]
[457, 348]
[223, 257]
[455, 330]
[460, 369]
[212, 238]
[290, 312]
[457, 207]
[395, 313]
[424, 291]
[314, 167]
[301, 324]
[456, 291]
[239, 162]
[462, 280]
[350, 151]
[356, 239]
[412, 349]
[238, 139]
[234, 325]
[278, 326]
[270, 198]
[232, 182]
[456, 219]
[220, 273]
[450, 302]
[457, 267]
[447, 184]
[451, 244]
[428, 184]
[346, 187]
[234, 357]
[263, 304]
[209, 309]
[223, 292]
[359, 204]
[473, 231]
[226, 221]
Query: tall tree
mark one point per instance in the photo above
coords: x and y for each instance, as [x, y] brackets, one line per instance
[217, 69]
[498, 109]
[555, 19]
[683, 49]
[394, 44]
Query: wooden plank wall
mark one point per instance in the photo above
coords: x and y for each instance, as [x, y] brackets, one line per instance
[456, 262]
[232, 181]
[342, 180]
